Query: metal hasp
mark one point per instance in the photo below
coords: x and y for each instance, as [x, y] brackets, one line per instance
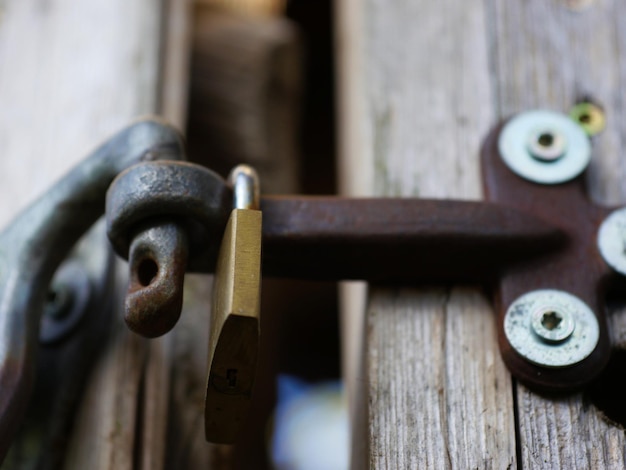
[75, 326]
[171, 217]
[321, 238]
[39, 239]
[535, 237]
[552, 325]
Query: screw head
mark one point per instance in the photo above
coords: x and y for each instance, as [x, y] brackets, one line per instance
[612, 240]
[59, 302]
[551, 328]
[590, 117]
[547, 145]
[544, 147]
[73, 292]
[552, 324]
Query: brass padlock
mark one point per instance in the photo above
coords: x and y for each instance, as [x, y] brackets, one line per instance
[234, 330]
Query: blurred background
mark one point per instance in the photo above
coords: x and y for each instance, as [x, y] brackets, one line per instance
[262, 92]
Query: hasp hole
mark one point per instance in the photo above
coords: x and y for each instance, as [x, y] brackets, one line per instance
[147, 271]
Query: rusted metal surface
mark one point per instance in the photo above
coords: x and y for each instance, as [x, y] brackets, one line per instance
[398, 240]
[321, 238]
[330, 238]
[577, 267]
[169, 217]
[158, 260]
[35, 243]
[193, 196]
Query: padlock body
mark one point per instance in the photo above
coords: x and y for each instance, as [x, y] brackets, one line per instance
[234, 330]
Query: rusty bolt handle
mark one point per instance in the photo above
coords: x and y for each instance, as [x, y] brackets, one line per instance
[154, 211]
[34, 244]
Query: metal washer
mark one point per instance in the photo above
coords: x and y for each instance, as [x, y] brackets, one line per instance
[513, 147]
[578, 345]
[612, 240]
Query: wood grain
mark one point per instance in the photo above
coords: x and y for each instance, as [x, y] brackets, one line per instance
[438, 393]
[186, 445]
[55, 107]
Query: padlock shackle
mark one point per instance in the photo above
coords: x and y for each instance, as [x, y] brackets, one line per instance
[246, 188]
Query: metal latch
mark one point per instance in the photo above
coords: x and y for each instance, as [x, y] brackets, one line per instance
[549, 250]
[34, 245]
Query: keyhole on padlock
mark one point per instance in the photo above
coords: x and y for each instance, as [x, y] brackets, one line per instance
[147, 271]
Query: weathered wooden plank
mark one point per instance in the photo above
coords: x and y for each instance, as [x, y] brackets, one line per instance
[547, 55]
[543, 55]
[438, 393]
[186, 445]
[175, 61]
[74, 73]
[57, 107]
[355, 171]
[435, 395]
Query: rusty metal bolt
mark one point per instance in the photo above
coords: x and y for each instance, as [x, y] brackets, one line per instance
[158, 259]
[166, 217]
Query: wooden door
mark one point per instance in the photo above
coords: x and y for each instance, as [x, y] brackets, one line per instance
[420, 84]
